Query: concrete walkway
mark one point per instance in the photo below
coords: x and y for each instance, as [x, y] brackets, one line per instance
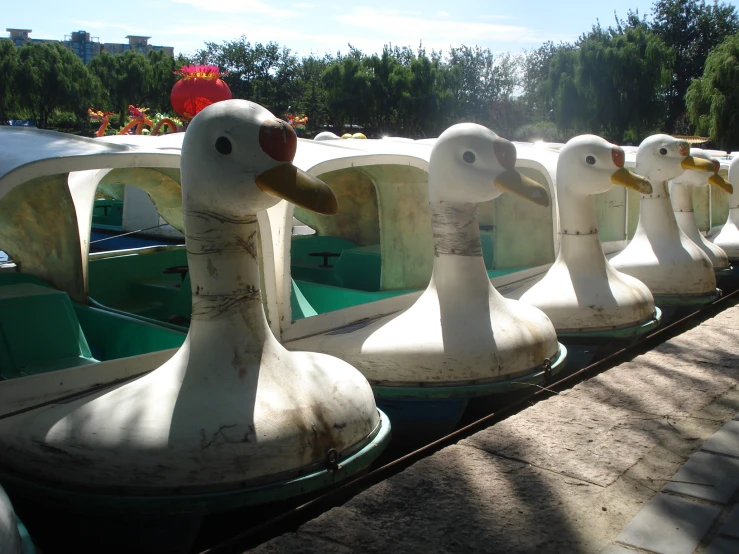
[580, 472]
[698, 506]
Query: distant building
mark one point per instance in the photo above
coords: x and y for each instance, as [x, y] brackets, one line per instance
[82, 44]
[20, 37]
[86, 47]
[137, 43]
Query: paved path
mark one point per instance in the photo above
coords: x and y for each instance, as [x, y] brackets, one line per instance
[579, 472]
[697, 509]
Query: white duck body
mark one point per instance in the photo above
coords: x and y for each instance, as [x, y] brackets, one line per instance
[660, 255]
[232, 408]
[10, 539]
[582, 292]
[728, 238]
[460, 331]
[681, 193]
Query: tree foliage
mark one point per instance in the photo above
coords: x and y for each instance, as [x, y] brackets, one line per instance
[622, 82]
[50, 77]
[693, 28]
[8, 65]
[713, 100]
[610, 83]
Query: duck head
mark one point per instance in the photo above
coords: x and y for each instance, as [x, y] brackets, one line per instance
[237, 160]
[590, 165]
[471, 164]
[662, 157]
[698, 178]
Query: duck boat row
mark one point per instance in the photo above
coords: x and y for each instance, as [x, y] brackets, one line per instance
[165, 384]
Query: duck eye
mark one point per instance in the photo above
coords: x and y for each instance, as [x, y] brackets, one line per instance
[469, 157]
[590, 160]
[223, 145]
[663, 151]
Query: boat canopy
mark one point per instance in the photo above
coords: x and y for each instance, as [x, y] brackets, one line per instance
[48, 182]
[382, 192]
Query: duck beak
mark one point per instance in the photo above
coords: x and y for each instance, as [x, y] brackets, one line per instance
[697, 164]
[626, 178]
[294, 185]
[717, 181]
[512, 181]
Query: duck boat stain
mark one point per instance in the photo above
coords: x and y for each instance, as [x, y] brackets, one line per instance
[232, 419]
[460, 338]
[728, 237]
[661, 255]
[682, 204]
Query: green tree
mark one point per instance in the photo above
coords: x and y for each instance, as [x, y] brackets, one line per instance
[347, 84]
[133, 83]
[612, 81]
[713, 100]
[569, 111]
[535, 80]
[51, 77]
[312, 95]
[162, 79]
[693, 28]
[263, 73]
[105, 67]
[624, 74]
[478, 86]
[8, 64]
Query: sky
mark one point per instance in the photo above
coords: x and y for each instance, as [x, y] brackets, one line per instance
[321, 26]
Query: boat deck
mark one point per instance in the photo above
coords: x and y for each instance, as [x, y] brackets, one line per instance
[591, 469]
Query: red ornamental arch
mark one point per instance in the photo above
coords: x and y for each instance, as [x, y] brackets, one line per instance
[199, 87]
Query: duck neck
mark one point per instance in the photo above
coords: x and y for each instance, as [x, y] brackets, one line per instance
[457, 250]
[578, 229]
[576, 214]
[682, 198]
[655, 211]
[224, 272]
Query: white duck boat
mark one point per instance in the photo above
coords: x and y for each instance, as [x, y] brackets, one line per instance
[460, 338]
[660, 255]
[232, 419]
[11, 541]
[681, 193]
[728, 238]
[582, 293]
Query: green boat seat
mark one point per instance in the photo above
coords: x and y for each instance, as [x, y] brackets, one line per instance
[486, 242]
[114, 335]
[308, 254]
[39, 331]
[181, 307]
[336, 262]
[302, 246]
[359, 268]
[107, 214]
[136, 282]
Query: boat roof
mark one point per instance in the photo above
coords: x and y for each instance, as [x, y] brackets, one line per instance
[45, 224]
[62, 172]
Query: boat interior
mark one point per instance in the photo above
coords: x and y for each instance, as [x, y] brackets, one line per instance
[371, 258]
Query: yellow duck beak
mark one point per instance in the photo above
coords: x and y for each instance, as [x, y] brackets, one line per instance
[520, 185]
[717, 181]
[697, 164]
[626, 178]
[294, 185]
